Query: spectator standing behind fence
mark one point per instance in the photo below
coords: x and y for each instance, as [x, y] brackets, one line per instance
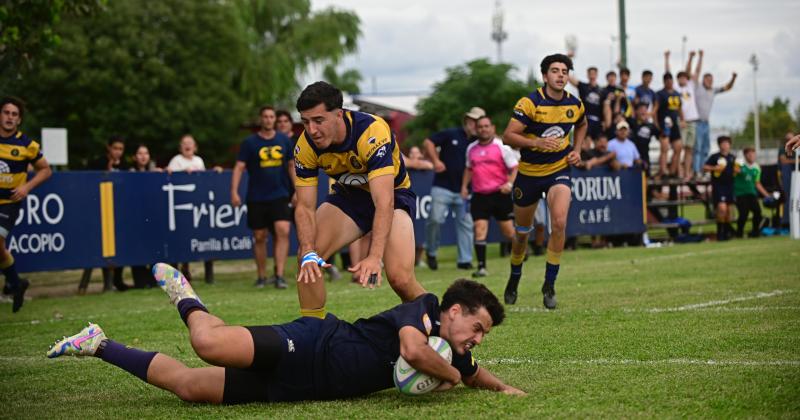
[723, 168]
[113, 160]
[449, 163]
[269, 160]
[490, 170]
[625, 151]
[591, 94]
[668, 119]
[643, 94]
[17, 151]
[704, 97]
[188, 161]
[598, 156]
[142, 277]
[687, 85]
[642, 133]
[747, 188]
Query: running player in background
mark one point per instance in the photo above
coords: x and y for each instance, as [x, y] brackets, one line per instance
[540, 127]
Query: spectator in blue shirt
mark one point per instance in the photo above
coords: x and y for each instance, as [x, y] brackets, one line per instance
[627, 154]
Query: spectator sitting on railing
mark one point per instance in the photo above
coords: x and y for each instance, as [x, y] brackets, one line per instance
[627, 156]
[415, 160]
[747, 187]
[598, 156]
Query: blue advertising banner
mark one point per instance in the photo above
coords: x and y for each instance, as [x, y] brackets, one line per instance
[95, 219]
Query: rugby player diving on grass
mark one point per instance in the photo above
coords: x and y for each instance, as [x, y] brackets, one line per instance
[311, 358]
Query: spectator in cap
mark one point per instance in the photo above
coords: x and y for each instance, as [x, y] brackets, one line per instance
[447, 150]
[627, 154]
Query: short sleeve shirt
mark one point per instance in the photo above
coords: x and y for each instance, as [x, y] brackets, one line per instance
[267, 163]
[452, 144]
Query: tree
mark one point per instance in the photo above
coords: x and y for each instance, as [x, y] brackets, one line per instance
[347, 81]
[775, 120]
[28, 27]
[153, 71]
[476, 83]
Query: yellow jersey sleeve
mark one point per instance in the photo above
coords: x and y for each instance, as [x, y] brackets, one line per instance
[524, 111]
[376, 147]
[305, 164]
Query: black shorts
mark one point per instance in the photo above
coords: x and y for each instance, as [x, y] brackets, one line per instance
[358, 205]
[530, 189]
[674, 132]
[595, 129]
[290, 377]
[8, 217]
[264, 214]
[722, 193]
[497, 205]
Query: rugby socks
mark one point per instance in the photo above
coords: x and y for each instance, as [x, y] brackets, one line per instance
[134, 361]
[480, 251]
[551, 267]
[314, 313]
[187, 306]
[10, 271]
[516, 270]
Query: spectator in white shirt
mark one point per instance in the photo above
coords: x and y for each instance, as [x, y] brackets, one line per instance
[627, 154]
[187, 160]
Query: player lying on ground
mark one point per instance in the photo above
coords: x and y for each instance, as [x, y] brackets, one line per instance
[309, 358]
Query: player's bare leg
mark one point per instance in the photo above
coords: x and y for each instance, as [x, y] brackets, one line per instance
[260, 255]
[688, 157]
[675, 164]
[558, 199]
[480, 229]
[334, 229]
[523, 219]
[398, 258]
[281, 253]
[662, 157]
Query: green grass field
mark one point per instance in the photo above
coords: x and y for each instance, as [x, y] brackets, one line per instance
[705, 330]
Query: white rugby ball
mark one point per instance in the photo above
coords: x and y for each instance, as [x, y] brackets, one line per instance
[412, 382]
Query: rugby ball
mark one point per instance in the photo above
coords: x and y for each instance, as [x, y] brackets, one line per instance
[411, 382]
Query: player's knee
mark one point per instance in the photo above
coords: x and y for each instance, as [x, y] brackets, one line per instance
[260, 236]
[188, 389]
[558, 223]
[282, 229]
[205, 345]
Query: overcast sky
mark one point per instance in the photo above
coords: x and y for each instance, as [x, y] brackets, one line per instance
[407, 45]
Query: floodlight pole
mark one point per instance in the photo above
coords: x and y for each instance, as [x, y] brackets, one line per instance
[623, 36]
[498, 34]
[756, 110]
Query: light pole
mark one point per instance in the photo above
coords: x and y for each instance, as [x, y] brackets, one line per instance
[623, 36]
[756, 110]
[683, 51]
[498, 34]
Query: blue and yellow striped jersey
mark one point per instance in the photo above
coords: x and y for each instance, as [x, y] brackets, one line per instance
[16, 152]
[368, 151]
[547, 117]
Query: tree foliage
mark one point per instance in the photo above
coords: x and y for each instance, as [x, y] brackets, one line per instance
[775, 120]
[347, 80]
[152, 71]
[476, 83]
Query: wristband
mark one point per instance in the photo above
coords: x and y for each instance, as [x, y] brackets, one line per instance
[310, 257]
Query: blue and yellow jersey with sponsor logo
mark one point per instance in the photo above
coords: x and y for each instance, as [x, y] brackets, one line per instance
[16, 152]
[547, 117]
[369, 150]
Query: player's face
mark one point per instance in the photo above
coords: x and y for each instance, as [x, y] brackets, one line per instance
[268, 119]
[485, 129]
[116, 150]
[321, 125]
[464, 330]
[9, 118]
[142, 156]
[557, 76]
[284, 125]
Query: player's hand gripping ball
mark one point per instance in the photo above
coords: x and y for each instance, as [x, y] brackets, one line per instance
[412, 382]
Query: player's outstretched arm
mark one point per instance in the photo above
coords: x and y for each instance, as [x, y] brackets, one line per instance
[415, 350]
[485, 380]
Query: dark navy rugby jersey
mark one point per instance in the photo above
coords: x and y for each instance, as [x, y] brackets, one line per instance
[267, 163]
[452, 144]
[592, 100]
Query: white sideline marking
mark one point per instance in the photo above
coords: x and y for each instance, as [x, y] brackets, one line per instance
[694, 306]
[634, 362]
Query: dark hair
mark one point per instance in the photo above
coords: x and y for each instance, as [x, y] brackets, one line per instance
[139, 146]
[624, 70]
[722, 139]
[640, 105]
[748, 149]
[683, 74]
[611, 73]
[601, 136]
[707, 75]
[647, 73]
[555, 58]
[320, 93]
[116, 138]
[17, 102]
[283, 113]
[591, 69]
[264, 108]
[471, 295]
[667, 76]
